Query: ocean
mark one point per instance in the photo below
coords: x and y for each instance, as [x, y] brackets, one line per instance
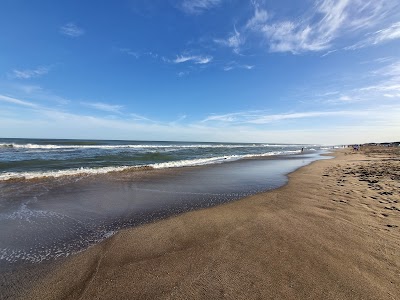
[58, 197]
[34, 158]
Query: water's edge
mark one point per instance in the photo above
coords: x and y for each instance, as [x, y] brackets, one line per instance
[19, 277]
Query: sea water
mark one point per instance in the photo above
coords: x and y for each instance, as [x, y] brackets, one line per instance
[58, 197]
[33, 158]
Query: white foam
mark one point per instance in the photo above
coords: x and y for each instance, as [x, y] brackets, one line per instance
[29, 215]
[60, 173]
[140, 146]
[195, 162]
[164, 165]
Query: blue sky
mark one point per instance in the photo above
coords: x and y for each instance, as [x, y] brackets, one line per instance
[307, 71]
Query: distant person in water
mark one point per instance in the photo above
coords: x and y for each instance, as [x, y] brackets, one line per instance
[302, 149]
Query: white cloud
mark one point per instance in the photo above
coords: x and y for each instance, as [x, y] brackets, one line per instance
[345, 98]
[380, 85]
[223, 118]
[17, 101]
[234, 41]
[387, 78]
[390, 33]
[262, 118]
[259, 18]
[318, 29]
[28, 89]
[384, 35]
[234, 65]
[329, 53]
[379, 123]
[392, 95]
[37, 93]
[304, 115]
[182, 74]
[178, 120]
[228, 68]
[129, 52]
[198, 6]
[137, 117]
[30, 73]
[104, 107]
[197, 59]
[71, 30]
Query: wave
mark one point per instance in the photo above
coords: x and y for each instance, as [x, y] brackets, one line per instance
[139, 146]
[164, 165]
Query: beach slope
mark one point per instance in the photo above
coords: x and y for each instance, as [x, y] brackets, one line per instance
[331, 233]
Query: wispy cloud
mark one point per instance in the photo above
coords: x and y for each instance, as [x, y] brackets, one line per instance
[234, 41]
[137, 117]
[17, 101]
[259, 118]
[104, 107]
[198, 6]
[37, 93]
[197, 59]
[334, 16]
[234, 65]
[182, 73]
[224, 118]
[328, 52]
[392, 95]
[259, 19]
[317, 29]
[345, 98]
[129, 52]
[29, 73]
[378, 123]
[380, 85]
[71, 30]
[178, 120]
[388, 80]
[302, 115]
[28, 88]
[378, 37]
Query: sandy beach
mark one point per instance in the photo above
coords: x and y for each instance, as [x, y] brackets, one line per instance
[333, 232]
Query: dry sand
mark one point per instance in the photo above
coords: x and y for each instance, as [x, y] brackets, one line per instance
[331, 233]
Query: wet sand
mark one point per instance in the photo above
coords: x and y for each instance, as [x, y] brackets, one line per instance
[333, 232]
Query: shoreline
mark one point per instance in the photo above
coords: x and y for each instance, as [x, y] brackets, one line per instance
[32, 176]
[177, 190]
[315, 237]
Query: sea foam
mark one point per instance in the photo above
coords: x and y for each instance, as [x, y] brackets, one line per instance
[103, 170]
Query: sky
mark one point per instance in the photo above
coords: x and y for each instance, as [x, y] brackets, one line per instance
[311, 71]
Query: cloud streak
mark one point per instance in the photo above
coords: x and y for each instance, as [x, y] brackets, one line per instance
[104, 107]
[378, 37]
[12, 100]
[259, 118]
[388, 83]
[317, 29]
[373, 124]
[71, 30]
[234, 65]
[234, 41]
[197, 59]
[129, 52]
[316, 33]
[198, 6]
[30, 73]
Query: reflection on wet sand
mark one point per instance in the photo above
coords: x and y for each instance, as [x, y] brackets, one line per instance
[50, 218]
